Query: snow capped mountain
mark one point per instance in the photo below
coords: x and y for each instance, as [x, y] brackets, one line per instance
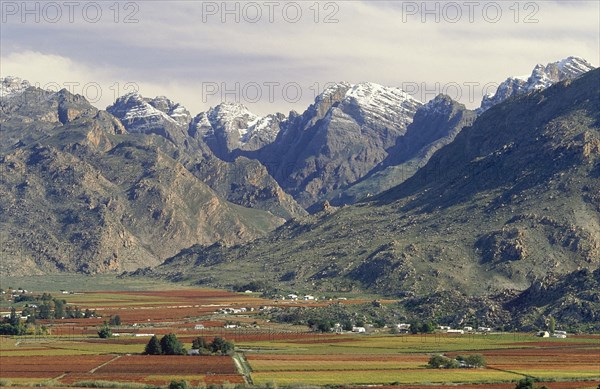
[344, 134]
[380, 103]
[152, 116]
[541, 77]
[174, 110]
[231, 126]
[12, 86]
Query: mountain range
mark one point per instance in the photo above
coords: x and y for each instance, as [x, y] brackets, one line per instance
[513, 200]
[368, 189]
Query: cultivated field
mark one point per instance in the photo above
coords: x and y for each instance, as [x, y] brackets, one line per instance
[71, 354]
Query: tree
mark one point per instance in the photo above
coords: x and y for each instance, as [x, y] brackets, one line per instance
[59, 309]
[220, 345]
[153, 347]
[442, 362]
[324, 326]
[105, 332]
[199, 343]
[527, 383]
[14, 319]
[178, 385]
[115, 320]
[45, 311]
[170, 345]
[475, 360]
[427, 327]
[437, 361]
[551, 324]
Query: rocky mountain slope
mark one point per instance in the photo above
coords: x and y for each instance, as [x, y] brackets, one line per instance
[79, 193]
[337, 140]
[515, 197]
[229, 126]
[152, 116]
[239, 180]
[541, 77]
[434, 125]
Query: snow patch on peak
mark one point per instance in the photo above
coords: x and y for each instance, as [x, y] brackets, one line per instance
[440, 103]
[541, 77]
[379, 105]
[133, 106]
[331, 89]
[228, 112]
[368, 94]
[236, 123]
[12, 86]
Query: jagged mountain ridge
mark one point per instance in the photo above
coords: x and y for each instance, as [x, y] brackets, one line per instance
[243, 182]
[337, 140]
[152, 116]
[79, 193]
[351, 154]
[230, 126]
[515, 197]
[434, 125]
[541, 77]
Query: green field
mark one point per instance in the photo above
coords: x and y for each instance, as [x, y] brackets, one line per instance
[419, 376]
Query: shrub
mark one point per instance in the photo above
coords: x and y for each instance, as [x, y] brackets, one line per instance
[105, 332]
[178, 385]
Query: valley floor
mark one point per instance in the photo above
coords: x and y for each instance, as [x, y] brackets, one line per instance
[267, 354]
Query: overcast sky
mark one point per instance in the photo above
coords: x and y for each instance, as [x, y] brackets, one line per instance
[278, 55]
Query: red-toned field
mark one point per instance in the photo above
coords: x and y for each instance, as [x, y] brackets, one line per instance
[30, 367]
[169, 365]
[293, 349]
[195, 380]
[339, 357]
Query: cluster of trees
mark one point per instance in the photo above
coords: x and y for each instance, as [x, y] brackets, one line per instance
[170, 345]
[46, 307]
[12, 325]
[217, 346]
[470, 361]
[426, 327]
[105, 331]
[167, 345]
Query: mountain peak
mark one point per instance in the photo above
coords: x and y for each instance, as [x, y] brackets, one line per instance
[159, 116]
[230, 126]
[11, 86]
[541, 77]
